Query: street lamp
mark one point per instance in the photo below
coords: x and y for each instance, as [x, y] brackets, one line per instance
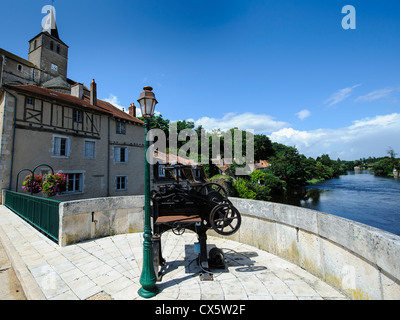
[148, 278]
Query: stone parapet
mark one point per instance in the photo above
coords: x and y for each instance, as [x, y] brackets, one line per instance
[359, 260]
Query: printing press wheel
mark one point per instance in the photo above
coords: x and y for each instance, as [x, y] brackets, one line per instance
[225, 219]
[214, 192]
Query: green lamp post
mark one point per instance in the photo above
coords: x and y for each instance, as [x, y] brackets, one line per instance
[148, 278]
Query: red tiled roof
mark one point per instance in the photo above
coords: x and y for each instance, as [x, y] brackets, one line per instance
[113, 110]
[171, 158]
[102, 106]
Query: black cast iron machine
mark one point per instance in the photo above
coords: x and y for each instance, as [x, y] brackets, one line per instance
[196, 207]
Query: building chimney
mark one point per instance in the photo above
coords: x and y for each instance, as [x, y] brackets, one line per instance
[132, 110]
[77, 90]
[93, 93]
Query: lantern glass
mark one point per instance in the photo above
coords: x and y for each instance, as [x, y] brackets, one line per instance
[147, 102]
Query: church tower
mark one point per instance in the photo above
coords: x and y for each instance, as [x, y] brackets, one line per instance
[48, 52]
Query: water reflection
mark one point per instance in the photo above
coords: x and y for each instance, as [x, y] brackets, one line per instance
[301, 197]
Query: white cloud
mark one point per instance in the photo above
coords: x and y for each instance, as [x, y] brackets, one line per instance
[340, 95]
[303, 114]
[377, 94]
[365, 137]
[260, 123]
[113, 99]
[378, 121]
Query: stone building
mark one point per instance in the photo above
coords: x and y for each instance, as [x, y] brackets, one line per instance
[47, 118]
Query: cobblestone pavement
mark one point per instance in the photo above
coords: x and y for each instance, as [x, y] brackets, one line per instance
[109, 268]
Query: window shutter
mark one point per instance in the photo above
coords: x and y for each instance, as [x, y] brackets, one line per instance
[67, 147]
[57, 146]
[126, 154]
[117, 152]
[89, 149]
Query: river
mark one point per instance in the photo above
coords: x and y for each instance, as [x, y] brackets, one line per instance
[358, 196]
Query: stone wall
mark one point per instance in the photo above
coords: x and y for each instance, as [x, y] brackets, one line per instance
[361, 261]
[95, 218]
[7, 106]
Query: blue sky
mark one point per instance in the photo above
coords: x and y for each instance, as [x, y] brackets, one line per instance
[283, 68]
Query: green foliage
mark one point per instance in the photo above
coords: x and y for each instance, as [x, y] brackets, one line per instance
[384, 167]
[289, 169]
[158, 122]
[246, 189]
[262, 147]
[273, 183]
[54, 185]
[287, 166]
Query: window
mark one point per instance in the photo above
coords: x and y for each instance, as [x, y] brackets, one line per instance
[54, 67]
[121, 183]
[51, 45]
[77, 114]
[161, 171]
[35, 44]
[44, 172]
[197, 174]
[90, 148]
[58, 49]
[178, 172]
[61, 147]
[74, 182]
[120, 154]
[19, 68]
[121, 128]
[30, 101]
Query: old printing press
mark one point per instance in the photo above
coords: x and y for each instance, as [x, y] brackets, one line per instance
[197, 206]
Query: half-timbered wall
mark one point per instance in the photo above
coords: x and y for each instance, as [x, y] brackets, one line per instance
[39, 114]
[89, 145]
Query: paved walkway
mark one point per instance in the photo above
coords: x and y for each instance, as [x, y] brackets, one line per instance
[109, 268]
[10, 287]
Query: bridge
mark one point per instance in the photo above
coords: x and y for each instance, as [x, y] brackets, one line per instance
[280, 252]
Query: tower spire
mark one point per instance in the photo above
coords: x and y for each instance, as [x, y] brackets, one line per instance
[49, 22]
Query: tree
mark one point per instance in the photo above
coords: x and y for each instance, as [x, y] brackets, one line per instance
[158, 122]
[273, 183]
[262, 147]
[287, 166]
[391, 153]
[383, 167]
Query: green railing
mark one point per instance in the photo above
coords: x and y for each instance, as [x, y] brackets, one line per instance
[42, 213]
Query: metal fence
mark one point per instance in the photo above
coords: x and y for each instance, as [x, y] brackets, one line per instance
[42, 213]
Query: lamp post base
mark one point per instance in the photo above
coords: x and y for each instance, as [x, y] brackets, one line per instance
[147, 294]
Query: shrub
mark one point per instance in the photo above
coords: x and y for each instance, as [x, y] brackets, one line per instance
[273, 183]
[242, 189]
[247, 189]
